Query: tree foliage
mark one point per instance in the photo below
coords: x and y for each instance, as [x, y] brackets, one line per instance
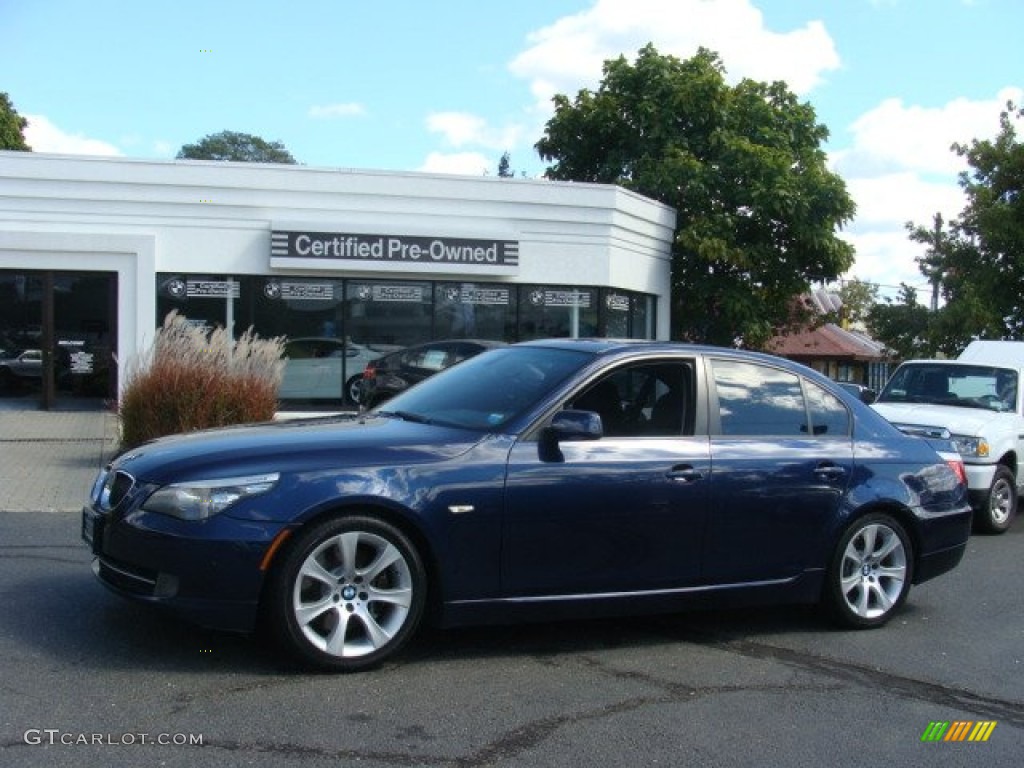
[976, 262]
[904, 326]
[238, 147]
[742, 166]
[12, 126]
[858, 298]
[505, 167]
[986, 264]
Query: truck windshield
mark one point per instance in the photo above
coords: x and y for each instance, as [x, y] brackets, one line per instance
[967, 386]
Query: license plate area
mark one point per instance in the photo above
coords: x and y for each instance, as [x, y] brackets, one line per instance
[92, 530]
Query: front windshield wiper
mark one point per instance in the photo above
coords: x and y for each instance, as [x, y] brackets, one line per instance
[406, 416]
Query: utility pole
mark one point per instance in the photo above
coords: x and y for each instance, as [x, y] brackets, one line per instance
[934, 260]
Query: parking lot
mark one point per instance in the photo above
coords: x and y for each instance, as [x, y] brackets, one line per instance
[89, 679]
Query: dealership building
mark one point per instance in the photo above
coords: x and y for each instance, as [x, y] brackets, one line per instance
[96, 251]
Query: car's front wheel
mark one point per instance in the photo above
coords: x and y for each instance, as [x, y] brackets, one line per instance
[1000, 505]
[870, 573]
[348, 593]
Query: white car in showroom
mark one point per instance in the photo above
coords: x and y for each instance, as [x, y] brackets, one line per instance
[325, 368]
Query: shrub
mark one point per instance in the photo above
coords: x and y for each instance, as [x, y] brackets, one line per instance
[191, 379]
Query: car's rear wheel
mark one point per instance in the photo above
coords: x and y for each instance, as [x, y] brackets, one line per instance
[348, 593]
[870, 573]
[1000, 505]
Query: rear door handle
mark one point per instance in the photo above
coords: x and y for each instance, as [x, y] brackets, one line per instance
[684, 473]
[829, 470]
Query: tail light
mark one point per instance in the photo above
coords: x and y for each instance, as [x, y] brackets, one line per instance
[370, 371]
[958, 468]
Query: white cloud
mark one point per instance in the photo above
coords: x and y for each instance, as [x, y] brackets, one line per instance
[894, 199]
[44, 136]
[900, 168]
[887, 258]
[894, 136]
[568, 55]
[459, 163]
[461, 129]
[349, 109]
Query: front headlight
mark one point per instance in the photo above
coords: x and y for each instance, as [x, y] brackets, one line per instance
[201, 499]
[971, 446]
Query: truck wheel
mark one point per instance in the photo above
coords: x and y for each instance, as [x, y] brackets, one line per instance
[1000, 505]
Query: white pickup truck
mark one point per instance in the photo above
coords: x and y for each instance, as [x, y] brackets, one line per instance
[976, 402]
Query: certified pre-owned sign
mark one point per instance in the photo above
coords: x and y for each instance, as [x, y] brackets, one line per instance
[431, 252]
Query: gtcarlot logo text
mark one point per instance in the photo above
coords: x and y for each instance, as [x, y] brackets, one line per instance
[55, 736]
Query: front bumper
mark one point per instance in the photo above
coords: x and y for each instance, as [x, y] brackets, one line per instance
[979, 476]
[207, 572]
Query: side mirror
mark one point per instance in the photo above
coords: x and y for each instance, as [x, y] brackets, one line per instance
[568, 425]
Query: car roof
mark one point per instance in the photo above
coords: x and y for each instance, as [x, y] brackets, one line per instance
[599, 346]
[962, 363]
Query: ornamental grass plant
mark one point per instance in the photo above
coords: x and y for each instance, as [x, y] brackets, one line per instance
[191, 378]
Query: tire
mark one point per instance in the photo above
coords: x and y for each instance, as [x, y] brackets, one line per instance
[347, 594]
[1000, 506]
[870, 573]
[354, 389]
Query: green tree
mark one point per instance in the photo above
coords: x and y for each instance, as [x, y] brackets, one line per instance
[12, 126]
[743, 167]
[933, 263]
[987, 262]
[976, 262]
[238, 147]
[904, 326]
[504, 167]
[858, 298]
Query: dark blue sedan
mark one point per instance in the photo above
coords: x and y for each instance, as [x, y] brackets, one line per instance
[543, 480]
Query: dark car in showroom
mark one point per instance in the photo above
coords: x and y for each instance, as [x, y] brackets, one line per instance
[386, 376]
[549, 479]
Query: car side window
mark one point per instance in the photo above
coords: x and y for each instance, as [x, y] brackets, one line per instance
[649, 400]
[758, 400]
[829, 417]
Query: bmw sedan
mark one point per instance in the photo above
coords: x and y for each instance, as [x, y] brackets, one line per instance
[551, 479]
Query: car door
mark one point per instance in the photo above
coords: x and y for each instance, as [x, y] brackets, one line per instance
[622, 513]
[782, 452]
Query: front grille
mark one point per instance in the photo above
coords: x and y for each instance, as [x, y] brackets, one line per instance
[116, 488]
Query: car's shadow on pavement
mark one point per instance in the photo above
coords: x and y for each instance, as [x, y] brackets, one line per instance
[67, 614]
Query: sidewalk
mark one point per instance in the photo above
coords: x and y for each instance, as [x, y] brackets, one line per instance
[48, 459]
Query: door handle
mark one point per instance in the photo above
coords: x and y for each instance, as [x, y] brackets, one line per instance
[829, 470]
[684, 473]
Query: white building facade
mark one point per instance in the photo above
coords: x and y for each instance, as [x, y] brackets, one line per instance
[95, 252]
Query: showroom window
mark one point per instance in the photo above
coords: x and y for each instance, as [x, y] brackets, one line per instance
[334, 326]
[474, 311]
[557, 312]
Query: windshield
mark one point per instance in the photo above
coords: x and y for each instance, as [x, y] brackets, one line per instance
[968, 386]
[489, 390]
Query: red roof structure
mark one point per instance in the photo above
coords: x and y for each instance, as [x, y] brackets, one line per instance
[827, 342]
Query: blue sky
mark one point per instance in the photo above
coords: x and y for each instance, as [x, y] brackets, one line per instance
[447, 86]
